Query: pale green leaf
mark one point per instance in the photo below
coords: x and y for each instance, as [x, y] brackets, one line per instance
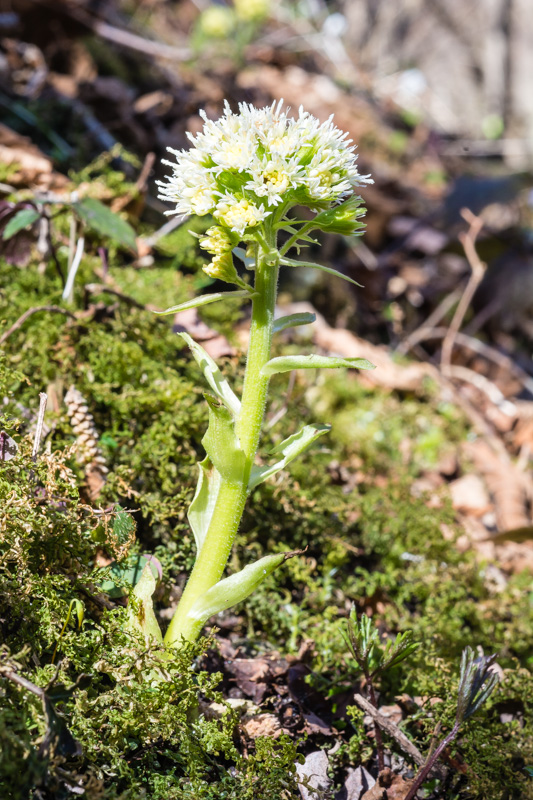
[22, 219]
[290, 448]
[221, 443]
[290, 262]
[204, 300]
[287, 363]
[292, 320]
[519, 535]
[101, 219]
[141, 615]
[230, 591]
[124, 575]
[204, 500]
[213, 375]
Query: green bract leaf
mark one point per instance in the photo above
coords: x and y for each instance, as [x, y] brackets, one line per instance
[204, 500]
[101, 219]
[343, 218]
[290, 448]
[213, 375]
[141, 616]
[204, 300]
[292, 320]
[291, 262]
[124, 575]
[302, 237]
[286, 363]
[230, 591]
[221, 443]
[22, 219]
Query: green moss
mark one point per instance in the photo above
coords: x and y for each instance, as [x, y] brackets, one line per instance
[349, 501]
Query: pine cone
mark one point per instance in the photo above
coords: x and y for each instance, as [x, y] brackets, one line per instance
[89, 452]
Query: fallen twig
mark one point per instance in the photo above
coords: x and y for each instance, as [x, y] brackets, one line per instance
[476, 345]
[393, 730]
[427, 327]
[468, 240]
[484, 385]
[165, 229]
[99, 288]
[130, 40]
[140, 184]
[22, 319]
[68, 291]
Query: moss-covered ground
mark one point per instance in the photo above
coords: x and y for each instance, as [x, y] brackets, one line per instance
[370, 540]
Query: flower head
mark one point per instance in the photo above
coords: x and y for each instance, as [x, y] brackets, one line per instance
[217, 21]
[247, 166]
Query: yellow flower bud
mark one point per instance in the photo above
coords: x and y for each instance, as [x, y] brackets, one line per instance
[222, 268]
[216, 241]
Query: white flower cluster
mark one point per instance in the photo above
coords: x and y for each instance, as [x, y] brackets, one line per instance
[244, 166]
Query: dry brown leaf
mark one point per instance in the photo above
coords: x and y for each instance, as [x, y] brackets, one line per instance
[218, 347]
[377, 792]
[403, 377]
[475, 535]
[253, 675]
[469, 494]
[514, 557]
[393, 713]
[508, 486]
[523, 433]
[35, 167]
[388, 787]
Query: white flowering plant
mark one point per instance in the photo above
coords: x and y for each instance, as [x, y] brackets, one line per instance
[250, 170]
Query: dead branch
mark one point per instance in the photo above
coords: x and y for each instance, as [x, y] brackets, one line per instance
[393, 730]
[99, 288]
[27, 314]
[476, 345]
[125, 38]
[427, 327]
[139, 186]
[468, 240]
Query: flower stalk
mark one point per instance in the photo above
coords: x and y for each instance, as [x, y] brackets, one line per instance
[231, 500]
[248, 170]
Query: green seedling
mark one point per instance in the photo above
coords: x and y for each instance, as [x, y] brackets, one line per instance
[374, 659]
[476, 683]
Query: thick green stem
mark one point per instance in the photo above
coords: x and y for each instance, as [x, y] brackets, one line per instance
[213, 556]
